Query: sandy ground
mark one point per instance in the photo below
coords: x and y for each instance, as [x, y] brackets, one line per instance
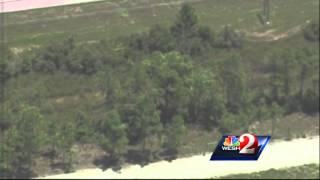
[21, 5]
[278, 154]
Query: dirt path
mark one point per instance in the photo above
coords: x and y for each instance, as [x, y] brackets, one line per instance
[271, 35]
[279, 154]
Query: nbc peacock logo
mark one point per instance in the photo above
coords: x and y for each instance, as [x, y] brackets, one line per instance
[231, 143]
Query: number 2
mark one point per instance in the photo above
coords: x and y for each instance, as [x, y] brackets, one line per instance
[247, 149]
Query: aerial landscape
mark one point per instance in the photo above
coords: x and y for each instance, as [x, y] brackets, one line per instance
[146, 88]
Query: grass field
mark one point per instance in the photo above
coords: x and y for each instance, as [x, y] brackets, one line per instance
[112, 18]
[308, 171]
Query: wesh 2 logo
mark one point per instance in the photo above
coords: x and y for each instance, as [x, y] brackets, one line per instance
[244, 147]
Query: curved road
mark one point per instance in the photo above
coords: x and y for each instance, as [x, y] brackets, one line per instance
[279, 154]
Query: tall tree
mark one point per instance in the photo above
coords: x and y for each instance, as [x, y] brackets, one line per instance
[160, 39]
[207, 100]
[229, 38]
[113, 134]
[175, 133]
[311, 32]
[143, 119]
[275, 113]
[23, 143]
[186, 23]
[66, 139]
[233, 78]
[170, 72]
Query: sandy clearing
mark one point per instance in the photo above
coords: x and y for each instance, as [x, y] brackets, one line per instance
[279, 154]
[271, 35]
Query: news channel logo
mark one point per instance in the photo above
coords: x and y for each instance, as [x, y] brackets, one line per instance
[243, 147]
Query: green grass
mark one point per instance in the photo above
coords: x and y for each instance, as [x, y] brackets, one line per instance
[309, 171]
[112, 18]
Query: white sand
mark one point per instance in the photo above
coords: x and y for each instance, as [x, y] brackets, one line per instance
[278, 154]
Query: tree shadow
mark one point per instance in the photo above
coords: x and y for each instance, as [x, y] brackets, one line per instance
[66, 167]
[107, 162]
[141, 157]
[169, 154]
[21, 173]
[133, 156]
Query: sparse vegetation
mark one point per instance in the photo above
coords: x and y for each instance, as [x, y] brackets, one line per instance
[309, 171]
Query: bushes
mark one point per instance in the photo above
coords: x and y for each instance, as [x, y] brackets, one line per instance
[160, 39]
[207, 102]
[113, 134]
[6, 63]
[175, 133]
[291, 72]
[186, 36]
[53, 57]
[311, 32]
[229, 39]
[310, 102]
[84, 60]
[22, 144]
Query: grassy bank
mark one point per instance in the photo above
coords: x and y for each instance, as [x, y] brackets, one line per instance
[308, 171]
[113, 18]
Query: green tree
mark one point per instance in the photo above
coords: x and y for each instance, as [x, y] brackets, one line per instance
[233, 78]
[8, 155]
[275, 113]
[66, 139]
[170, 72]
[262, 110]
[207, 35]
[5, 60]
[275, 80]
[229, 38]
[84, 59]
[23, 143]
[306, 68]
[207, 101]
[190, 38]
[286, 67]
[228, 123]
[175, 133]
[311, 32]
[160, 39]
[142, 118]
[53, 57]
[112, 88]
[310, 102]
[113, 134]
[185, 25]
[83, 128]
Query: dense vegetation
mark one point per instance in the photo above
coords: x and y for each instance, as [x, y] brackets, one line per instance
[155, 86]
[309, 171]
